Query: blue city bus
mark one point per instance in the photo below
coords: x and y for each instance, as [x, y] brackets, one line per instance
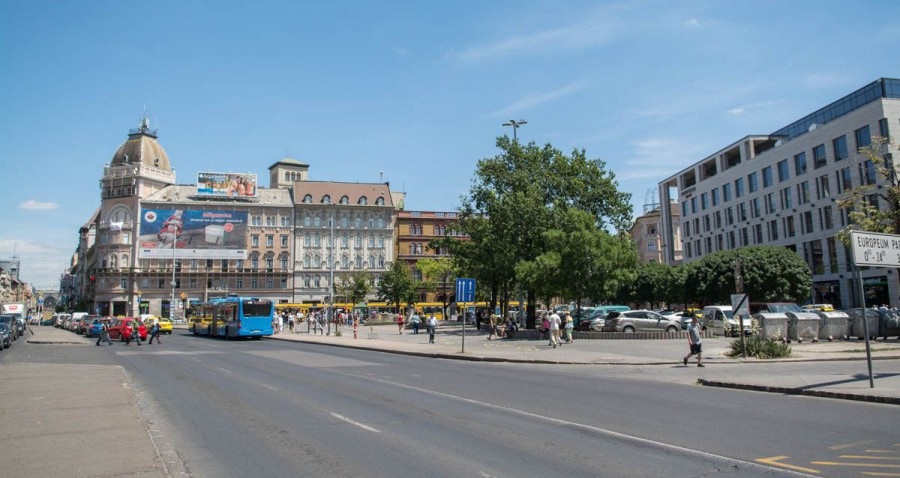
[233, 317]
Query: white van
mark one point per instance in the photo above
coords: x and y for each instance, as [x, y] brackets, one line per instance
[720, 320]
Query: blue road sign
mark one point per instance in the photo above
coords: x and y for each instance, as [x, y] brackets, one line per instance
[465, 290]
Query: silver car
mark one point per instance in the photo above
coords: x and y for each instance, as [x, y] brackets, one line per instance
[631, 321]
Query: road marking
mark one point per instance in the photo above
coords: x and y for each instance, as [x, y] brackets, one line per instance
[353, 422]
[269, 387]
[875, 473]
[224, 370]
[775, 461]
[850, 445]
[865, 457]
[837, 463]
[880, 451]
[635, 440]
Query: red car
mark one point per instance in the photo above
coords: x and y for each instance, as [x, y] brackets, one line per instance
[120, 329]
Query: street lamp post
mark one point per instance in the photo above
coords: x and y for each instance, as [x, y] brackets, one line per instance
[515, 125]
[331, 273]
[172, 303]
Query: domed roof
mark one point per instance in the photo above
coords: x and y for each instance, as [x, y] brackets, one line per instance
[142, 147]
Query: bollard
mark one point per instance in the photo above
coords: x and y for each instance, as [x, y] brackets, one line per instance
[355, 327]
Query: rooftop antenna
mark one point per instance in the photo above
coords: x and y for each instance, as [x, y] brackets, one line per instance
[380, 176]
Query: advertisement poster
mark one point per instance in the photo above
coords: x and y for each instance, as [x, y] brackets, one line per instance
[187, 234]
[226, 184]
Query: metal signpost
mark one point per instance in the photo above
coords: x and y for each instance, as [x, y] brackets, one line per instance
[875, 250]
[465, 292]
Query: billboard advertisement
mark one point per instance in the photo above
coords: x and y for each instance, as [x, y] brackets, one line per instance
[226, 184]
[187, 234]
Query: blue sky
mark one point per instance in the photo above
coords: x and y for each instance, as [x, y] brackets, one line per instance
[418, 90]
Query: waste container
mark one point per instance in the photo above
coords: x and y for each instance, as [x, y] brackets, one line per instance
[889, 323]
[856, 323]
[803, 326]
[833, 325]
[772, 325]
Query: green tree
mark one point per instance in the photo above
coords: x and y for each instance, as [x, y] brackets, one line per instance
[651, 283]
[396, 286]
[770, 273]
[518, 195]
[354, 286]
[860, 202]
[438, 274]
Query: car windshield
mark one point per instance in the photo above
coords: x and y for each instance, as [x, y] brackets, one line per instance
[728, 313]
[786, 307]
[4, 328]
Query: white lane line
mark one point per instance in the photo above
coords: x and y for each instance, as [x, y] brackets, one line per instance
[269, 387]
[742, 464]
[224, 370]
[353, 422]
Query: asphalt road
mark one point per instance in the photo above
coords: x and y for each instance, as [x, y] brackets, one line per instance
[270, 408]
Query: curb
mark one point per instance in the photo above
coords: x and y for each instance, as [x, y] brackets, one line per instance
[800, 391]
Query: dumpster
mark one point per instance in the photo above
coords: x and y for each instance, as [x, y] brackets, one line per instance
[772, 325]
[803, 326]
[856, 323]
[833, 325]
[889, 323]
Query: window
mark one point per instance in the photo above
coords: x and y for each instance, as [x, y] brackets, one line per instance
[345, 222]
[284, 240]
[270, 262]
[800, 164]
[254, 262]
[883, 129]
[827, 220]
[726, 192]
[326, 199]
[285, 221]
[270, 240]
[755, 209]
[715, 197]
[773, 230]
[270, 221]
[359, 262]
[789, 226]
[284, 263]
[786, 198]
[770, 203]
[783, 172]
[317, 221]
[371, 241]
[738, 187]
[753, 182]
[254, 240]
[344, 200]
[843, 180]
[840, 148]
[307, 221]
[757, 231]
[317, 240]
[345, 242]
[362, 201]
[357, 242]
[863, 138]
[239, 283]
[380, 241]
[358, 223]
[123, 283]
[307, 240]
[284, 283]
[704, 201]
[807, 222]
[742, 211]
[379, 202]
[803, 192]
[254, 283]
[819, 159]
[256, 221]
[767, 176]
[345, 262]
[867, 172]
[729, 216]
[694, 205]
[823, 190]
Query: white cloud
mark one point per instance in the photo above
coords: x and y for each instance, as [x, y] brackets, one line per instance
[41, 262]
[743, 109]
[693, 23]
[534, 99]
[658, 158]
[598, 29]
[827, 80]
[33, 205]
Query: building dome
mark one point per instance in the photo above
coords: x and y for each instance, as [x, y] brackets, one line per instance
[142, 147]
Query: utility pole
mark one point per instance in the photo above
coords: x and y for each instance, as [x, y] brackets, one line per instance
[739, 285]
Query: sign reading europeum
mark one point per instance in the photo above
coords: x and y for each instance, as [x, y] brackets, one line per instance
[875, 249]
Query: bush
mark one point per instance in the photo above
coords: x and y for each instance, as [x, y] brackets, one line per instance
[760, 348]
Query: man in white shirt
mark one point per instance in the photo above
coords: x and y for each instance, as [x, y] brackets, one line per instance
[554, 329]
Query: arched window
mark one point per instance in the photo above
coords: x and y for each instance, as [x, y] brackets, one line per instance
[307, 199]
[306, 281]
[119, 213]
[124, 260]
[359, 262]
[381, 262]
[345, 200]
[307, 221]
[326, 199]
[379, 202]
[380, 223]
[317, 221]
[359, 223]
[362, 201]
[345, 221]
[287, 176]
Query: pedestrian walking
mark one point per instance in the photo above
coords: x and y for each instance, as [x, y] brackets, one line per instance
[280, 323]
[154, 333]
[570, 327]
[104, 334]
[400, 323]
[494, 320]
[291, 321]
[554, 329]
[415, 323]
[694, 340]
[134, 334]
[545, 326]
[431, 325]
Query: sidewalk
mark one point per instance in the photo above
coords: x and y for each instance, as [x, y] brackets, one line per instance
[662, 353]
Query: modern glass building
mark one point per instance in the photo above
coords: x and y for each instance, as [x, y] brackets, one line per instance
[781, 189]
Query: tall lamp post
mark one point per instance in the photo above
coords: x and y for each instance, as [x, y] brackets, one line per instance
[331, 272]
[515, 125]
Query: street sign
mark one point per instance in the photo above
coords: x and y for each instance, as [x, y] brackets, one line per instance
[465, 290]
[875, 249]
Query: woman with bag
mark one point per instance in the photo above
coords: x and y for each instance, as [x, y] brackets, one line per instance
[570, 326]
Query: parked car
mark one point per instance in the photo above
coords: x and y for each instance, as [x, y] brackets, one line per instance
[782, 307]
[584, 323]
[20, 326]
[596, 324]
[720, 320]
[5, 337]
[10, 321]
[631, 321]
[96, 327]
[121, 328]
